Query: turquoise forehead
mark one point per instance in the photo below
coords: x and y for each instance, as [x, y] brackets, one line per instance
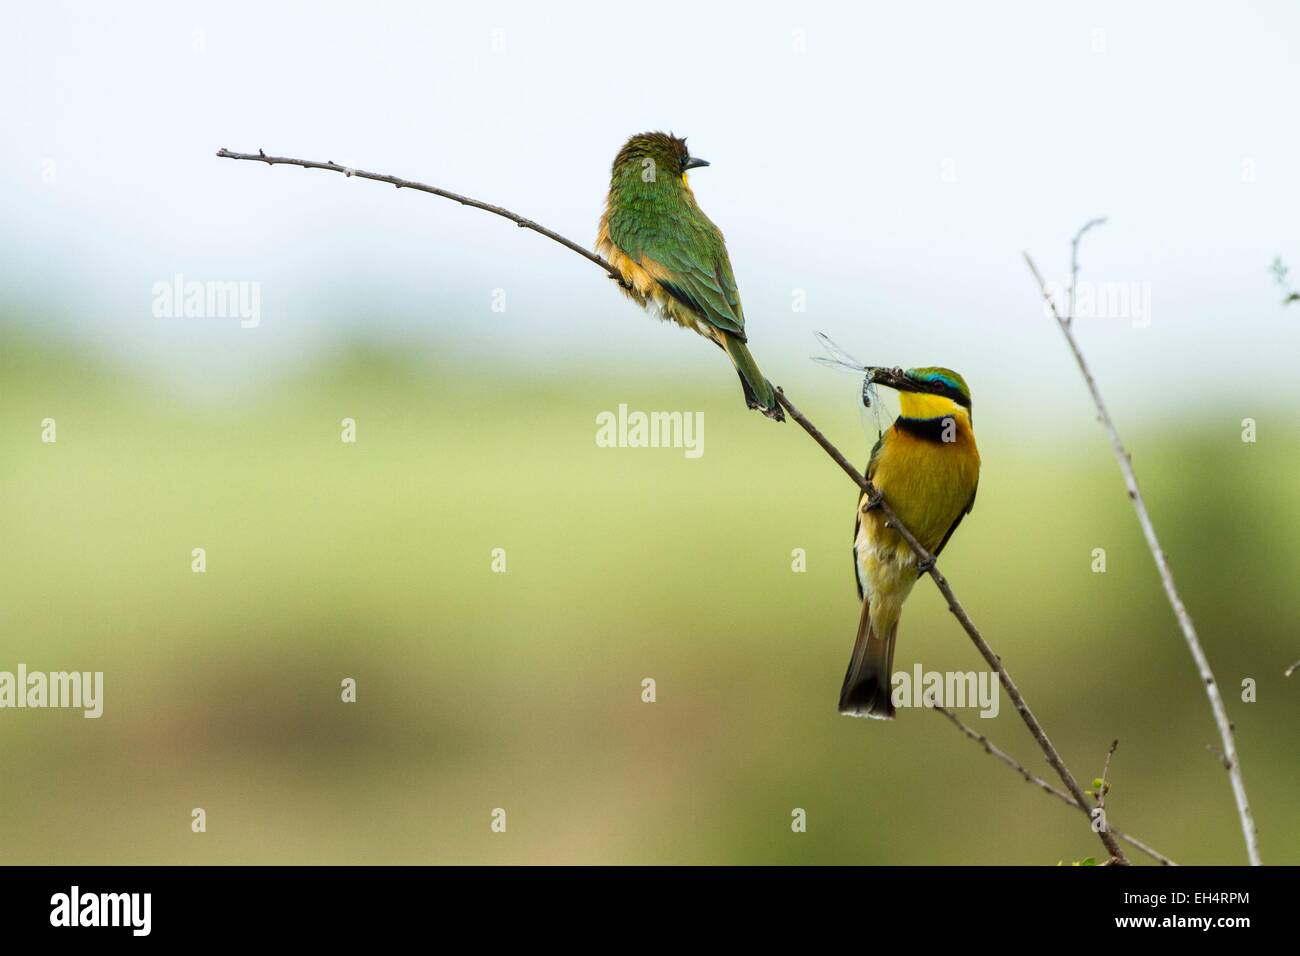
[945, 375]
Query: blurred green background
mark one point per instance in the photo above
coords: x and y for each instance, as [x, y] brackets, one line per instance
[522, 690]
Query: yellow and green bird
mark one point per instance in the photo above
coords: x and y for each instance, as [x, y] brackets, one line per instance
[927, 468]
[672, 258]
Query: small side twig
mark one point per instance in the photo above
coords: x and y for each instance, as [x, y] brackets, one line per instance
[994, 751]
[1125, 461]
[1218, 755]
[1280, 273]
[1105, 771]
[1074, 264]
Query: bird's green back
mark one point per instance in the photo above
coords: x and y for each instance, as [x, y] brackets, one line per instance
[653, 216]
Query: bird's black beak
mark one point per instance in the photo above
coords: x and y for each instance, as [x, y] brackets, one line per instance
[894, 378]
[694, 162]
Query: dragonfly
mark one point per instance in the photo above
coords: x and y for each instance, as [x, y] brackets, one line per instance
[841, 361]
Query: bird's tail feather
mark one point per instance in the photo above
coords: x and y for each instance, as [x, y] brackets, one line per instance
[759, 393]
[867, 688]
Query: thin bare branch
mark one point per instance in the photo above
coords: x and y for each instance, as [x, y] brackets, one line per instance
[925, 560]
[518, 220]
[1125, 461]
[993, 750]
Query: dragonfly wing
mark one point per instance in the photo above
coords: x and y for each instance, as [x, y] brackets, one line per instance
[837, 355]
[837, 365]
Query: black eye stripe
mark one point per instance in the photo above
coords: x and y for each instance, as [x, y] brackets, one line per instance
[947, 391]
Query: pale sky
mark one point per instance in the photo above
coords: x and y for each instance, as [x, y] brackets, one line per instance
[889, 160]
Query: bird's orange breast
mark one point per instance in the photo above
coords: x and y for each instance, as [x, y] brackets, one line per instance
[928, 483]
[643, 276]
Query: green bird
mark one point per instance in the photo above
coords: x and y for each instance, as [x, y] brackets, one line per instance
[672, 257]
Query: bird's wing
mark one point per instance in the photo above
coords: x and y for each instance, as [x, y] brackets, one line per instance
[969, 506]
[687, 256]
[875, 456]
[704, 283]
[857, 523]
[857, 574]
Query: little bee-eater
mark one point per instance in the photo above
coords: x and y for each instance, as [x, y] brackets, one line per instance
[672, 258]
[927, 468]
